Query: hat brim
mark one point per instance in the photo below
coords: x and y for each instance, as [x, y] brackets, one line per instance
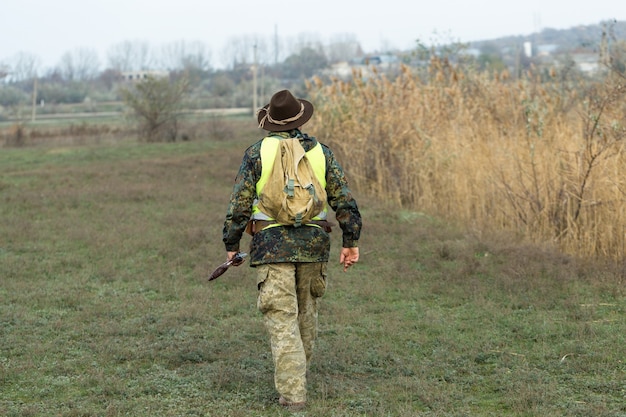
[306, 115]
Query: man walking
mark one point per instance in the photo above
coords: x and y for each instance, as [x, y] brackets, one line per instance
[290, 258]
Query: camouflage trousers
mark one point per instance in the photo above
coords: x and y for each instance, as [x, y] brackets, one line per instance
[288, 294]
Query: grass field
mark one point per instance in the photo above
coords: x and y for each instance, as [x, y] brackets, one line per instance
[105, 309]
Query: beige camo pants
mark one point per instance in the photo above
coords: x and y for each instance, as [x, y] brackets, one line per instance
[287, 298]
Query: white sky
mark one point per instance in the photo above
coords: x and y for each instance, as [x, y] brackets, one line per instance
[50, 28]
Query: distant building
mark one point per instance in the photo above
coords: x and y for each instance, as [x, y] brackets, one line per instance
[528, 49]
[364, 66]
[342, 70]
[134, 76]
[547, 49]
[384, 61]
[587, 62]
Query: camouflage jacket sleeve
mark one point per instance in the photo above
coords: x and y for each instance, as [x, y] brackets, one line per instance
[242, 198]
[341, 201]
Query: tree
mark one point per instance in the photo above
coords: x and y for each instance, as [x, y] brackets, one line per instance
[240, 51]
[4, 71]
[490, 58]
[25, 67]
[304, 64]
[188, 59]
[108, 78]
[80, 65]
[222, 85]
[304, 40]
[618, 57]
[157, 104]
[344, 48]
[186, 56]
[12, 97]
[130, 56]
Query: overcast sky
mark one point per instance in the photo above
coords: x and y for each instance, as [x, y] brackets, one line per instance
[49, 28]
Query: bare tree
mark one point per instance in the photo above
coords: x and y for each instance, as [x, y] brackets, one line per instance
[25, 67]
[81, 64]
[130, 56]
[4, 71]
[305, 40]
[240, 51]
[344, 47]
[184, 55]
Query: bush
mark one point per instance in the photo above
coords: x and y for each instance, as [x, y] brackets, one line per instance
[157, 104]
[11, 96]
[67, 93]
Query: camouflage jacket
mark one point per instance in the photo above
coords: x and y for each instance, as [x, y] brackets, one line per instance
[288, 243]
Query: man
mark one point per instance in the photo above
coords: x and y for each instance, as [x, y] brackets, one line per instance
[290, 260]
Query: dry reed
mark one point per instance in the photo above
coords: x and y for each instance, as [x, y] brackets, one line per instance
[543, 156]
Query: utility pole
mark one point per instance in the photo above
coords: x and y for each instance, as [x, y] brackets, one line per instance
[34, 110]
[275, 44]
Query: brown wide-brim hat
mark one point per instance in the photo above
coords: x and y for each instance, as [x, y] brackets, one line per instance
[284, 112]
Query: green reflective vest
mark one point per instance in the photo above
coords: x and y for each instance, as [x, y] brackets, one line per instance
[269, 148]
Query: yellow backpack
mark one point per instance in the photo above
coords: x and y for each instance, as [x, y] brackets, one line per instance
[292, 193]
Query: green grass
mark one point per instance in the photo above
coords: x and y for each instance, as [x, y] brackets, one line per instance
[105, 309]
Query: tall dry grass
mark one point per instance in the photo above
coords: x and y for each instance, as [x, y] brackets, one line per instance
[542, 155]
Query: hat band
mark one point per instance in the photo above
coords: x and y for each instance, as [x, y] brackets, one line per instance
[283, 122]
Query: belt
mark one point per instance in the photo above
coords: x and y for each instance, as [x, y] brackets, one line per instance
[258, 225]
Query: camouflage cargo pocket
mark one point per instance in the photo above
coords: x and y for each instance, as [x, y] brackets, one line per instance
[263, 298]
[318, 282]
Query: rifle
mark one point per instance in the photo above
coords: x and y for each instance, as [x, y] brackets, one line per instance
[236, 260]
